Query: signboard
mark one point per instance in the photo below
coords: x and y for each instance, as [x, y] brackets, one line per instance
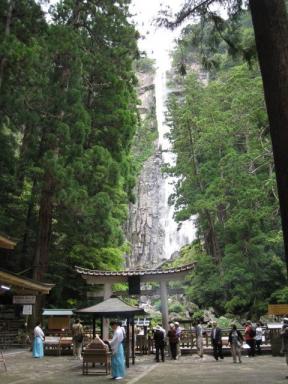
[27, 309]
[278, 309]
[24, 299]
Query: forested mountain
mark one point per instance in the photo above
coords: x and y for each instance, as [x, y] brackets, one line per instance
[68, 117]
[220, 133]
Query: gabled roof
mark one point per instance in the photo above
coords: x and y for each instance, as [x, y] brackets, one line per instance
[6, 243]
[22, 283]
[112, 307]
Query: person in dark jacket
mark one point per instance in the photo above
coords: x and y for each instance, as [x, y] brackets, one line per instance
[235, 341]
[216, 341]
[159, 342]
[173, 340]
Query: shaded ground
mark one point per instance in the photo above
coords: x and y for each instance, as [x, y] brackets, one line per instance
[22, 368]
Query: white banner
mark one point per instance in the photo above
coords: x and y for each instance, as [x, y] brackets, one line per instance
[24, 299]
[27, 309]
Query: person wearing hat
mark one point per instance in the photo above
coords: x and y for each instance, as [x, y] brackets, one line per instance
[159, 342]
[284, 336]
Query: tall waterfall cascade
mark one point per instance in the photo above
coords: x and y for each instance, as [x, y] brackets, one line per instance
[176, 235]
[151, 229]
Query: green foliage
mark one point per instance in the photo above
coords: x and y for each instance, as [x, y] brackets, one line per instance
[280, 296]
[176, 308]
[215, 43]
[197, 316]
[226, 178]
[68, 117]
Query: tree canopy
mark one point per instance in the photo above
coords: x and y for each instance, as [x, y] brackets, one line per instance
[220, 133]
[68, 117]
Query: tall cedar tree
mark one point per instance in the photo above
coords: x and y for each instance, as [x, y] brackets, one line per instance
[270, 23]
[68, 116]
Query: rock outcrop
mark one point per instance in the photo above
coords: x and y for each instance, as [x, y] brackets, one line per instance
[143, 229]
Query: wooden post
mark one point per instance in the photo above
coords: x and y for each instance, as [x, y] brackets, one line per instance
[94, 327]
[128, 343]
[164, 304]
[101, 327]
[133, 341]
[107, 294]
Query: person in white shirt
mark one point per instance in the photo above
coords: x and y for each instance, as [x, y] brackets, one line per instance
[258, 338]
[39, 337]
[118, 359]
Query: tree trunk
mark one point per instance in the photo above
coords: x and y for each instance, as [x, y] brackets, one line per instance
[26, 237]
[6, 33]
[271, 32]
[45, 221]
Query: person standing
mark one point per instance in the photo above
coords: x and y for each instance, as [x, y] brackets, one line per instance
[39, 337]
[258, 338]
[216, 341]
[118, 358]
[235, 340]
[172, 341]
[77, 336]
[284, 336]
[159, 342]
[199, 338]
[249, 338]
[178, 334]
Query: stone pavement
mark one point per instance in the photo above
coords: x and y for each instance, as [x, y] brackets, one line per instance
[22, 369]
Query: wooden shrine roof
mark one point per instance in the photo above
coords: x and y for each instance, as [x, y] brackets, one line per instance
[6, 243]
[135, 272]
[23, 284]
[145, 274]
[112, 307]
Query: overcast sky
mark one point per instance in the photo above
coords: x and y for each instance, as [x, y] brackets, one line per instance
[155, 41]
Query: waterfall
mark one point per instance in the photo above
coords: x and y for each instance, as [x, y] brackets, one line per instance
[175, 235]
[151, 229]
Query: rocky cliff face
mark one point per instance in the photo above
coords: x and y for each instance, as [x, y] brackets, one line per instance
[144, 230]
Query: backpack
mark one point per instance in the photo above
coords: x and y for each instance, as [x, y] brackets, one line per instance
[79, 338]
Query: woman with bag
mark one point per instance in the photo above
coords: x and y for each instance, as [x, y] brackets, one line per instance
[235, 341]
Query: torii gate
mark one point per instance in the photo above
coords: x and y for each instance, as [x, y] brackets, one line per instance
[107, 278]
